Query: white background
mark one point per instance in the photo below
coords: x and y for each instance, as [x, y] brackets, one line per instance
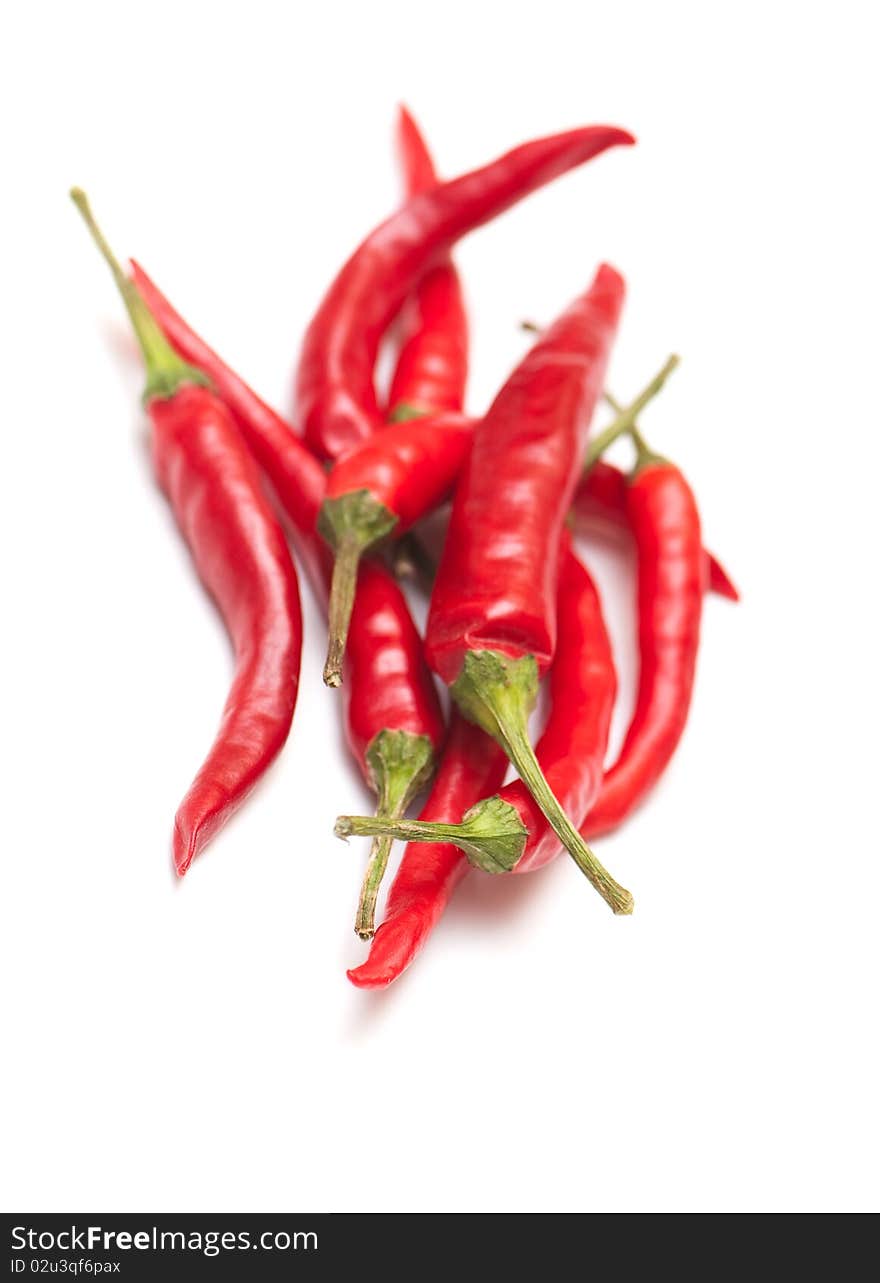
[197, 1047]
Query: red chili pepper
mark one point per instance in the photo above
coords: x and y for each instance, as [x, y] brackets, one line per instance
[508, 833]
[215, 491]
[432, 362]
[335, 393]
[382, 487]
[492, 623]
[602, 494]
[665, 522]
[392, 712]
[472, 767]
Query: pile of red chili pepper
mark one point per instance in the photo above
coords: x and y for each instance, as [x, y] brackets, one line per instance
[348, 482]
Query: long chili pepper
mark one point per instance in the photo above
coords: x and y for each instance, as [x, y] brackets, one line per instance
[335, 392]
[602, 493]
[384, 485]
[665, 523]
[215, 491]
[508, 833]
[393, 720]
[492, 623]
[432, 362]
[472, 767]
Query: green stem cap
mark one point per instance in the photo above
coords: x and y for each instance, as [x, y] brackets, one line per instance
[352, 524]
[166, 371]
[498, 693]
[491, 834]
[400, 765]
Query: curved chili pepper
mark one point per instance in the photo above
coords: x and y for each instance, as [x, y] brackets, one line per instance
[602, 494]
[432, 363]
[492, 622]
[508, 833]
[472, 767]
[381, 487]
[665, 522]
[215, 491]
[393, 720]
[335, 393]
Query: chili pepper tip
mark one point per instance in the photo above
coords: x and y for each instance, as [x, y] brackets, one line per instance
[363, 978]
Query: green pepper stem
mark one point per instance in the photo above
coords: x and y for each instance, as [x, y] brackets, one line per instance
[342, 589]
[400, 764]
[626, 418]
[498, 693]
[403, 830]
[515, 742]
[644, 454]
[612, 402]
[352, 523]
[166, 371]
[491, 834]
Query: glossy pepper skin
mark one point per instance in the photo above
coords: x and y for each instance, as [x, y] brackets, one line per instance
[394, 690]
[239, 550]
[571, 752]
[665, 523]
[432, 362]
[497, 582]
[602, 494]
[335, 392]
[216, 494]
[472, 767]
